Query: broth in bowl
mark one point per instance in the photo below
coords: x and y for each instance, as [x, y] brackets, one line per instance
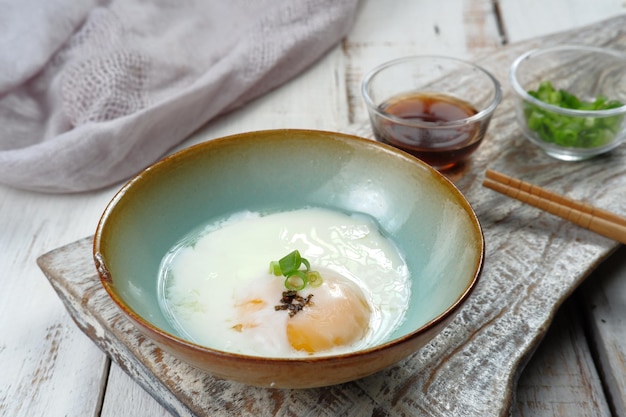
[217, 289]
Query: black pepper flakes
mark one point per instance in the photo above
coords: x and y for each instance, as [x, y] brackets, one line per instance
[293, 302]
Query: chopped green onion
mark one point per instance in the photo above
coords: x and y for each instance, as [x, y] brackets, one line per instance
[296, 281]
[306, 263]
[275, 268]
[290, 263]
[295, 278]
[314, 278]
[571, 131]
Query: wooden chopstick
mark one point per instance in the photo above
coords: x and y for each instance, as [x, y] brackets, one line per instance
[585, 215]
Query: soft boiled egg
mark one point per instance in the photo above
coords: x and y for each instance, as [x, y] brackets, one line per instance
[333, 315]
[216, 290]
[339, 315]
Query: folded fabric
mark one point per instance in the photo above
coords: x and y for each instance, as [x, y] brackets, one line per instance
[91, 92]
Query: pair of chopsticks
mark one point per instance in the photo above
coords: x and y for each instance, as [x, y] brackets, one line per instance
[595, 219]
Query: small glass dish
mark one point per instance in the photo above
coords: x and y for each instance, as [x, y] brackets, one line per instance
[436, 108]
[590, 82]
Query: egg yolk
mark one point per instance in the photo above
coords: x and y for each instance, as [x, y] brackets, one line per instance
[338, 316]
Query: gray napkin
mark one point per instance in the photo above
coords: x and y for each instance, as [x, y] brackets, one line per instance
[91, 92]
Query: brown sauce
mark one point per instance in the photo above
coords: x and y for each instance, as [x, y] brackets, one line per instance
[439, 146]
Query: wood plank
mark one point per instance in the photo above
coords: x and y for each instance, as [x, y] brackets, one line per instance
[561, 379]
[83, 290]
[323, 106]
[123, 391]
[604, 297]
[528, 19]
[48, 366]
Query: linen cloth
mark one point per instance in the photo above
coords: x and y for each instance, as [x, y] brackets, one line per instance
[93, 91]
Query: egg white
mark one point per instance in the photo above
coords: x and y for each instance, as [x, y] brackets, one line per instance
[209, 274]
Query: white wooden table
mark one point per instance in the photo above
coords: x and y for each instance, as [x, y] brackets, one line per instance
[49, 368]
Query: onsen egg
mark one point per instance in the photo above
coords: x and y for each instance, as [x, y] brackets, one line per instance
[338, 315]
[334, 315]
[216, 289]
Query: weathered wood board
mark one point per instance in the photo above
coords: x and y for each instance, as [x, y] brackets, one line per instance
[605, 304]
[561, 379]
[533, 262]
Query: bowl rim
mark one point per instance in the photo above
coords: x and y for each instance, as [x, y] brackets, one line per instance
[521, 92]
[106, 279]
[480, 115]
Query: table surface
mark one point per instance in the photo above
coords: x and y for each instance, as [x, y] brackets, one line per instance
[49, 367]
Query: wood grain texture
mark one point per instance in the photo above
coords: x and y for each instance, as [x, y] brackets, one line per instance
[605, 305]
[123, 391]
[533, 262]
[613, 227]
[562, 379]
[78, 286]
[530, 18]
[47, 365]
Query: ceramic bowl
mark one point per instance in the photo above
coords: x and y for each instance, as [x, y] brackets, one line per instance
[427, 218]
[570, 100]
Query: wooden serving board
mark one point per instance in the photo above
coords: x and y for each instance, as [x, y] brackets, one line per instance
[533, 263]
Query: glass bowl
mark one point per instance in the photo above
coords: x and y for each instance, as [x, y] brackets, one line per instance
[436, 108]
[569, 100]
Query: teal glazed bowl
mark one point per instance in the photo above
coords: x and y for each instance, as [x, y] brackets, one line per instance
[425, 215]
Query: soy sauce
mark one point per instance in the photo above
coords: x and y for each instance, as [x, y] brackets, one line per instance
[438, 145]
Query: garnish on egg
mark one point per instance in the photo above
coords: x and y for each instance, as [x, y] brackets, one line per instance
[296, 279]
[293, 302]
[340, 318]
